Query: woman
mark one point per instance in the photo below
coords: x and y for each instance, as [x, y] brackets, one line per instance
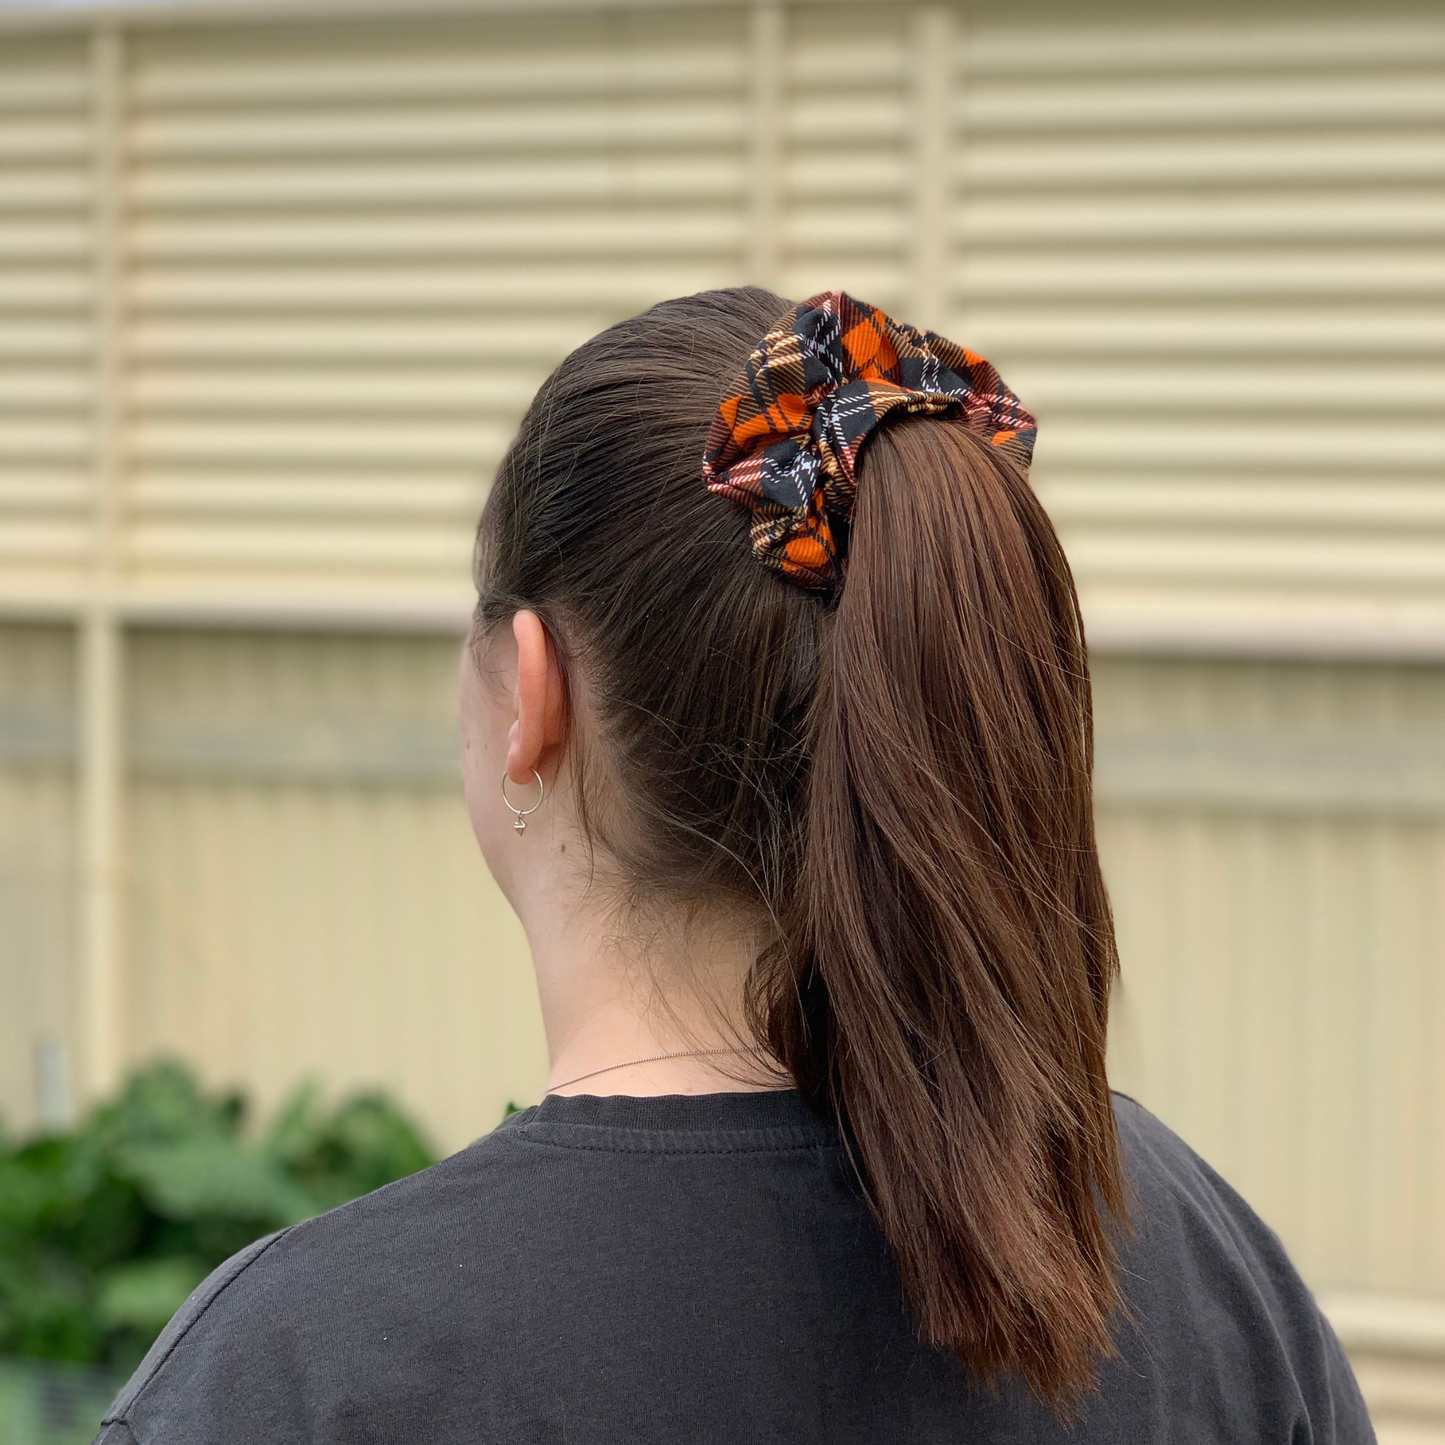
[777, 737]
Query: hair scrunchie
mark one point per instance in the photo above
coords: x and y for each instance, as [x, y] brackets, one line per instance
[785, 440]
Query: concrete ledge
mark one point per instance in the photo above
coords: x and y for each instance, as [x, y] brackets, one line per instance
[1396, 1345]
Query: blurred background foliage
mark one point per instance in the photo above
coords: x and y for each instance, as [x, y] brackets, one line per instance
[105, 1230]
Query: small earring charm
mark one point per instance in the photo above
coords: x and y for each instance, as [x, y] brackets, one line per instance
[524, 813]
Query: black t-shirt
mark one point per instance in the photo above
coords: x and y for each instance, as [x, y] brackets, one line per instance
[676, 1269]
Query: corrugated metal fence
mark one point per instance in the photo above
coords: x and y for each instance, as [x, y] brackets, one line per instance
[276, 283]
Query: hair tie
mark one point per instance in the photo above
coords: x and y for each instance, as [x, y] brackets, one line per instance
[785, 440]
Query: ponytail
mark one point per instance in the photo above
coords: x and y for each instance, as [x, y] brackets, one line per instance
[943, 985]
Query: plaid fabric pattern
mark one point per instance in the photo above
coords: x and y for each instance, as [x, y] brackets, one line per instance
[785, 440]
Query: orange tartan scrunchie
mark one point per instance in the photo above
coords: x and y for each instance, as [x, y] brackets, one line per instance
[785, 440]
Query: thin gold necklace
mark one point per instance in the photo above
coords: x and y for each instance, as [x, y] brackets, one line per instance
[652, 1059]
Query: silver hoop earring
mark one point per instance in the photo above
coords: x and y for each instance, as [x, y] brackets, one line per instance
[524, 813]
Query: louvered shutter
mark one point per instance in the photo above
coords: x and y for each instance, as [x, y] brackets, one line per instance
[358, 249]
[47, 262]
[1210, 254]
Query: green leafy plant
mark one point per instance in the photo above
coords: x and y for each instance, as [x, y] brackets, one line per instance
[104, 1231]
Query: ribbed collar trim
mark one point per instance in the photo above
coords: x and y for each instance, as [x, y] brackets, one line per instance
[675, 1123]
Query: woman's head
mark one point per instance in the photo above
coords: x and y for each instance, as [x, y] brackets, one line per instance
[696, 668]
[886, 782]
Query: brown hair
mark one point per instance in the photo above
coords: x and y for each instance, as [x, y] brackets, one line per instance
[898, 776]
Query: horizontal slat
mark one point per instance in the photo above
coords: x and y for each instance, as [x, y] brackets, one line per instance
[1326, 444]
[1136, 221]
[39, 86]
[467, 338]
[30, 491]
[281, 391]
[1370, 158]
[24, 539]
[38, 435]
[880, 174]
[33, 289]
[314, 186]
[404, 494]
[826, 230]
[35, 138]
[313, 750]
[1193, 331]
[1404, 1326]
[46, 240]
[987, 104]
[1182, 276]
[363, 441]
[1307, 40]
[471, 73]
[54, 188]
[1378, 566]
[866, 119]
[825, 42]
[1271, 775]
[1298, 390]
[389, 237]
[1361, 502]
[43, 387]
[560, 298]
[386, 547]
[372, 133]
[27, 339]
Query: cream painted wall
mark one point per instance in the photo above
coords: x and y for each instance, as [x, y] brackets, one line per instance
[1274, 839]
[306, 897]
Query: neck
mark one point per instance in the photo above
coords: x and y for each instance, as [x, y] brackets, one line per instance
[614, 995]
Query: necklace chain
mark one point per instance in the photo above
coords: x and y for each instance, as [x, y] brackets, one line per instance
[653, 1059]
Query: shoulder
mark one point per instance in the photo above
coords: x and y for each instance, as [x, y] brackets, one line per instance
[1213, 1297]
[292, 1313]
[1186, 1219]
[172, 1337]
[1179, 1200]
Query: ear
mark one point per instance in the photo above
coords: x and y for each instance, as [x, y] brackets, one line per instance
[536, 734]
